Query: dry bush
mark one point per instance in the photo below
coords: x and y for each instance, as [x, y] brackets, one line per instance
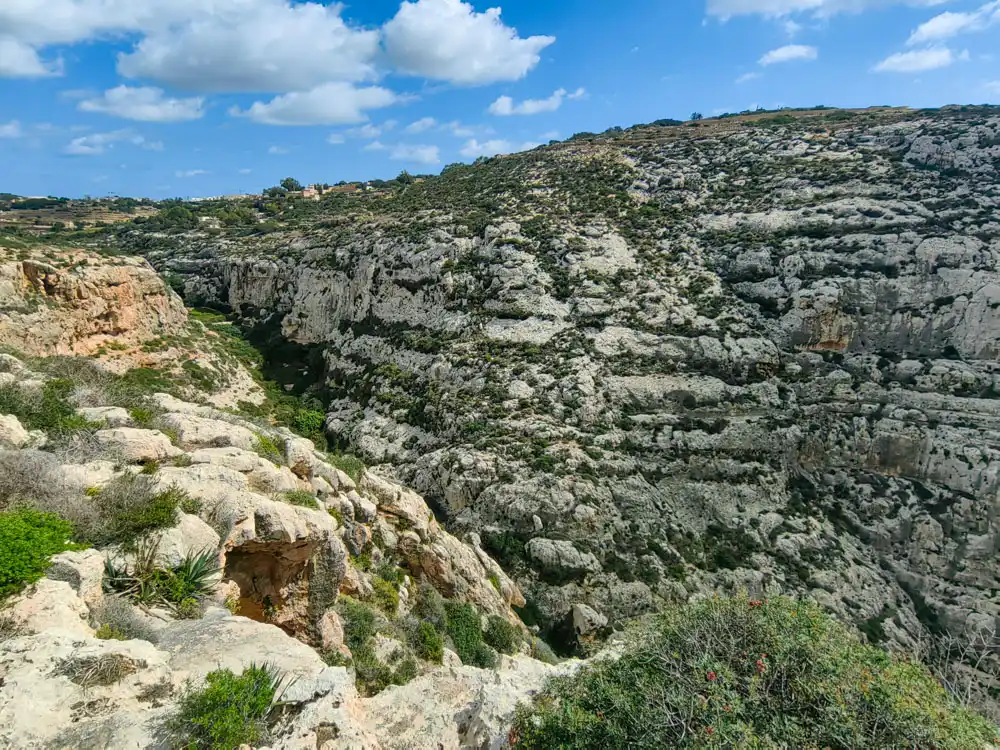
[36, 480]
[968, 668]
[95, 671]
[120, 620]
[27, 476]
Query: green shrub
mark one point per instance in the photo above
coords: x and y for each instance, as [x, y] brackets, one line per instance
[372, 676]
[359, 621]
[48, 408]
[229, 711]
[150, 467]
[428, 643]
[385, 596]
[108, 633]
[501, 635]
[266, 447]
[130, 511]
[300, 497]
[429, 606]
[27, 540]
[463, 625]
[353, 466]
[143, 417]
[734, 673]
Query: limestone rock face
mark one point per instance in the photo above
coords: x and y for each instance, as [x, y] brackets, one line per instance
[767, 361]
[77, 308]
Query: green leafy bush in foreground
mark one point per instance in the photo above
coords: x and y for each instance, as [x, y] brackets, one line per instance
[231, 710]
[27, 540]
[738, 673]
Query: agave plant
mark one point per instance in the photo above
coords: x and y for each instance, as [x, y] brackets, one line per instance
[179, 588]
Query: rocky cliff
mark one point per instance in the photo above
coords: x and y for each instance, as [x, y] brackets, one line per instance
[192, 540]
[741, 353]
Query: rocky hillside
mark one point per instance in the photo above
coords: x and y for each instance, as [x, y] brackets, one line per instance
[150, 546]
[754, 352]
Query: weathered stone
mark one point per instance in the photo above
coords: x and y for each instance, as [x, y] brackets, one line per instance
[12, 434]
[199, 432]
[51, 605]
[83, 571]
[137, 445]
[112, 416]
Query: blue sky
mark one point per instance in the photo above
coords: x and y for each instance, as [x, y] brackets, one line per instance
[166, 98]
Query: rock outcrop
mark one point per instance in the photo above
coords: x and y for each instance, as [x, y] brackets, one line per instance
[674, 360]
[78, 302]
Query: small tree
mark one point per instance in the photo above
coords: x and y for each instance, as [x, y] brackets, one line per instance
[697, 116]
[291, 185]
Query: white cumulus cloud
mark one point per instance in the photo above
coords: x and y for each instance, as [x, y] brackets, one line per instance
[20, 60]
[918, 61]
[949, 24]
[336, 103]
[255, 46]
[375, 146]
[420, 154]
[11, 129]
[335, 139]
[145, 104]
[505, 105]
[424, 123]
[449, 41]
[789, 53]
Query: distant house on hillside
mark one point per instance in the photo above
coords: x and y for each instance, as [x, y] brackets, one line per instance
[313, 192]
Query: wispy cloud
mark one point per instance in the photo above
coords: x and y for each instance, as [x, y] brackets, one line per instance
[424, 123]
[96, 144]
[277, 151]
[949, 24]
[505, 105]
[11, 129]
[420, 154]
[191, 173]
[789, 53]
[746, 77]
[919, 61]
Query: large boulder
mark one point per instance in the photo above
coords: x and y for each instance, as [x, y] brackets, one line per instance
[51, 605]
[12, 433]
[83, 571]
[199, 432]
[223, 641]
[135, 445]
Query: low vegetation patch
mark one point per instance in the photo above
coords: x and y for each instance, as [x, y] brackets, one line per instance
[464, 629]
[229, 711]
[28, 539]
[740, 673]
[181, 589]
[501, 635]
[267, 447]
[117, 619]
[353, 466]
[129, 511]
[300, 498]
[97, 671]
